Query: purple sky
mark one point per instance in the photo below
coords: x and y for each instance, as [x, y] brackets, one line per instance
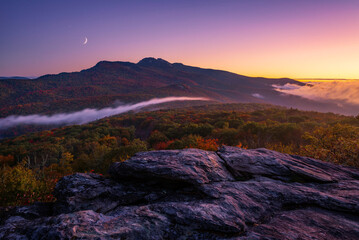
[274, 38]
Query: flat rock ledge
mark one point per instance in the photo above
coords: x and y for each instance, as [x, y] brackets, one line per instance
[194, 194]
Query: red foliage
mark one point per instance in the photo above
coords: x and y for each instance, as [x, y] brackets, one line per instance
[162, 145]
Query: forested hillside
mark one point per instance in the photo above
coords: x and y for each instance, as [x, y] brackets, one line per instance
[42, 158]
[107, 82]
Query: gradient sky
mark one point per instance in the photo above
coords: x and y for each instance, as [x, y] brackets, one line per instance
[270, 38]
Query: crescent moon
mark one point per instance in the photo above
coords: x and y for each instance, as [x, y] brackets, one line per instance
[85, 40]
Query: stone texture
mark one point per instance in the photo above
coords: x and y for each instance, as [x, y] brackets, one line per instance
[193, 194]
[190, 165]
[264, 162]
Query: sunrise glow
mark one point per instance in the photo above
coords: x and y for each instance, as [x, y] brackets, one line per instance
[296, 39]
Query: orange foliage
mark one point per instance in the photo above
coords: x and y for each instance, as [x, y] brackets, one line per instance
[6, 160]
[108, 140]
[240, 145]
[207, 144]
[124, 141]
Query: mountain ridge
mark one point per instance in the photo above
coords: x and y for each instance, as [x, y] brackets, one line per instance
[108, 81]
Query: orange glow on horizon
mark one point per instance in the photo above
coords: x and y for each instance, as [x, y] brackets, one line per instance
[274, 39]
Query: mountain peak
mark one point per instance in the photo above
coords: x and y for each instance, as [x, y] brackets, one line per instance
[109, 65]
[154, 62]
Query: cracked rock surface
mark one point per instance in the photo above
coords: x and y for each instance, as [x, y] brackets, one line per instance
[194, 194]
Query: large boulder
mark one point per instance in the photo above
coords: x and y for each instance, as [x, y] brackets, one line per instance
[245, 164]
[194, 194]
[191, 166]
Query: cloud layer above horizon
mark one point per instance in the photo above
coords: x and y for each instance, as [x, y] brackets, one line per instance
[335, 91]
[86, 115]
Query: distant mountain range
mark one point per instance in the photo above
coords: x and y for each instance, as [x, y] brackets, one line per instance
[107, 82]
[14, 77]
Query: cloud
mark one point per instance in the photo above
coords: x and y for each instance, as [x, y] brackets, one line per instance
[343, 91]
[86, 115]
[287, 86]
[257, 95]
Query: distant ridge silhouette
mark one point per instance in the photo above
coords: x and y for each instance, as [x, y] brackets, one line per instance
[106, 82]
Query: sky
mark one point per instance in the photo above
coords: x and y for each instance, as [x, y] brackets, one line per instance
[269, 38]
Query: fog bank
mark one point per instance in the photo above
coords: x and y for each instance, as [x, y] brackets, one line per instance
[336, 91]
[86, 115]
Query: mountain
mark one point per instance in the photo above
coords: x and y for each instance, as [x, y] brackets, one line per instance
[106, 82]
[14, 77]
[233, 193]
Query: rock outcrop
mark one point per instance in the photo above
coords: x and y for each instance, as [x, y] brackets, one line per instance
[195, 194]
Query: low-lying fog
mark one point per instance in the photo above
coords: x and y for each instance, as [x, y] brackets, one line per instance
[86, 115]
[339, 92]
